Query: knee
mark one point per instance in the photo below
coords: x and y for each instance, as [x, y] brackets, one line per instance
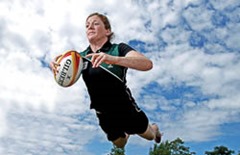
[119, 145]
[120, 142]
[151, 137]
[148, 134]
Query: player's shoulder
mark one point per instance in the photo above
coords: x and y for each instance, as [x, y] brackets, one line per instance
[122, 45]
[124, 48]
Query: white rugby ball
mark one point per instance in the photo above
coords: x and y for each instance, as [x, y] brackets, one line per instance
[70, 69]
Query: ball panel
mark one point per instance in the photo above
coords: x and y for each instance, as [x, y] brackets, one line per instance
[70, 68]
[74, 66]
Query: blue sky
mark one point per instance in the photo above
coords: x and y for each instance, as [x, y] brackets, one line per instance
[192, 92]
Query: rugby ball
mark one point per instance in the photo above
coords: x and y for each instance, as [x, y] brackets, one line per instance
[69, 71]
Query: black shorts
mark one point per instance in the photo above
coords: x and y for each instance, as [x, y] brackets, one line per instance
[115, 125]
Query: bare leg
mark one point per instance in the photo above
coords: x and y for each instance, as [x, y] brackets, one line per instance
[152, 133]
[121, 142]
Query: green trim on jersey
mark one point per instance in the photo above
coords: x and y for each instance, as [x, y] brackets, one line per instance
[115, 70]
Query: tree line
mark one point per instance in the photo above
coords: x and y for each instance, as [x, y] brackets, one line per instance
[177, 147]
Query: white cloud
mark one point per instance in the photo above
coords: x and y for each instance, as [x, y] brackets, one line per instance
[221, 5]
[2, 123]
[25, 81]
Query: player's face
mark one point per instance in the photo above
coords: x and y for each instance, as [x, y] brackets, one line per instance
[95, 29]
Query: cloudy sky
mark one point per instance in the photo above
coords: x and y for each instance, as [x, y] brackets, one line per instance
[192, 92]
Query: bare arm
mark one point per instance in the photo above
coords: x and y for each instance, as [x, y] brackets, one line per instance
[133, 59]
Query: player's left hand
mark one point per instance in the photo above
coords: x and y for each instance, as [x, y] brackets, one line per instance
[98, 58]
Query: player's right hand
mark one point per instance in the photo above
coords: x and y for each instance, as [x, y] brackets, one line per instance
[54, 65]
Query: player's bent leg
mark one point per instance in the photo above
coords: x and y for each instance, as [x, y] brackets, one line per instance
[158, 134]
[152, 133]
[148, 134]
[121, 142]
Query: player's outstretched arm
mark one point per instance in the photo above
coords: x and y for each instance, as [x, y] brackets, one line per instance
[133, 59]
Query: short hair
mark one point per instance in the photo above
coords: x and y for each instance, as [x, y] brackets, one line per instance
[105, 21]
